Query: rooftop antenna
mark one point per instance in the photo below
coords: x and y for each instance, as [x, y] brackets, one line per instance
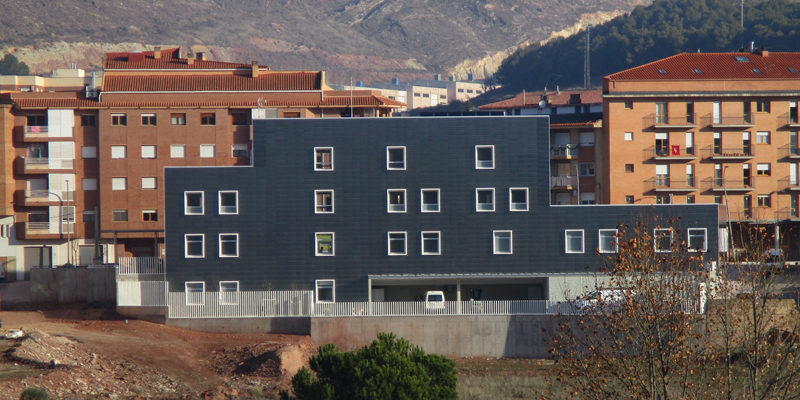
[586, 79]
[548, 81]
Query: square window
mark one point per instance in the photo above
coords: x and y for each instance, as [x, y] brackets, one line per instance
[717, 199]
[690, 199]
[239, 118]
[88, 120]
[240, 151]
[763, 137]
[36, 120]
[119, 183]
[88, 216]
[587, 169]
[608, 241]
[628, 105]
[662, 240]
[323, 159]
[228, 245]
[396, 158]
[119, 216]
[119, 151]
[573, 240]
[119, 119]
[89, 184]
[764, 200]
[149, 182]
[326, 292]
[764, 169]
[208, 151]
[484, 199]
[430, 200]
[177, 151]
[195, 293]
[628, 167]
[484, 157]
[178, 119]
[149, 215]
[149, 119]
[88, 152]
[431, 243]
[229, 293]
[629, 199]
[228, 202]
[208, 119]
[628, 136]
[324, 244]
[518, 199]
[323, 201]
[193, 203]
[396, 200]
[502, 242]
[194, 245]
[763, 106]
[397, 243]
[697, 239]
[148, 151]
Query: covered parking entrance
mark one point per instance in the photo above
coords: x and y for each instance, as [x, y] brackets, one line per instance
[459, 287]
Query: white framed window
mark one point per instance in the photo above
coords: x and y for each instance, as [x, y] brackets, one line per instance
[763, 137]
[229, 293]
[607, 241]
[696, 239]
[240, 151]
[228, 245]
[430, 200]
[396, 200]
[195, 293]
[228, 202]
[431, 243]
[395, 158]
[193, 203]
[120, 183]
[518, 199]
[149, 119]
[662, 240]
[119, 119]
[149, 182]
[208, 151]
[326, 290]
[573, 241]
[323, 244]
[397, 243]
[323, 201]
[502, 242]
[586, 138]
[89, 184]
[484, 157]
[628, 136]
[323, 158]
[148, 151]
[484, 199]
[177, 151]
[88, 152]
[119, 152]
[149, 215]
[194, 245]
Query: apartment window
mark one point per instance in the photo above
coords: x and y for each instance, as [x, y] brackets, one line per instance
[443, 97]
[587, 198]
[629, 199]
[484, 199]
[430, 200]
[484, 157]
[194, 245]
[119, 183]
[417, 95]
[628, 136]
[628, 167]
[396, 200]
[208, 119]
[697, 239]
[88, 216]
[431, 243]
[629, 105]
[149, 182]
[323, 203]
[397, 243]
[88, 120]
[518, 199]
[717, 199]
[149, 215]
[88, 152]
[586, 138]
[119, 151]
[662, 240]
[764, 200]
[502, 242]
[762, 138]
[396, 158]
[89, 184]
[607, 241]
[763, 169]
[324, 243]
[460, 90]
[240, 151]
[208, 150]
[193, 203]
[587, 169]
[426, 95]
[661, 113]
[663, 199]
[149, 119]
[119, 216]
[690, 199]
[228, 202]
[229, 293]
[148, 151]
[573, 240]
[228, 245]
[119, 119]
[178, 119]
[195, 293]
[323, 159]
[326, 292]
[763, 106]
[238, 119]
[177, 151]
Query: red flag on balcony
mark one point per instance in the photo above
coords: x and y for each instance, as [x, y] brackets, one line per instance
[676, 150]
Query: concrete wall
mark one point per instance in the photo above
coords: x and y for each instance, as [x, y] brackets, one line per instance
[284, 325]
[72, 285]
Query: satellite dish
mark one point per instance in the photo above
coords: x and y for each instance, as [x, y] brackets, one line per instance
[542, 104]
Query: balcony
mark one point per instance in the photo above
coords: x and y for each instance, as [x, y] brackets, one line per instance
[671, 184]
[34, 134]
[787, 183]
[668, 121]
[789, 120]
[729, 185]
[789, 151]
[563, 182]
[729, 153]
[44, 230]
[563, 151]
[787, 213]
[745, 120]
[141, 266]
[670, 153]
[760, 214]
[43, 197]
[41, 165]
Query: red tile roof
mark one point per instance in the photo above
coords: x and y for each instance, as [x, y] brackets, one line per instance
[329, 101]
[560, 98]
[266, 81]
[169, 60]
[716, 66]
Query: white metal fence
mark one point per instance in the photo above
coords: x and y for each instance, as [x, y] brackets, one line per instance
[152, 293]
[290, 303]
[141, 265]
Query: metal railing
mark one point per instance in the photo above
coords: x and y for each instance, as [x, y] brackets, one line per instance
[36, 129]
[745, 119]
[419, 308]
[790, 119]
[727, 184]
[37, 226]
[45, 195]
[729, 152]
[564, 181]
[788, 151]
[787, 213]
[564, 150]
[787, 183]
[141, 265]
[49, 163]
[290, 303]
[671, 182]
[653, 120]
[674, 151]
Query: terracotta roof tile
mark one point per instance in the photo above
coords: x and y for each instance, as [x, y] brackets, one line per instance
[329, 101]
[169, 60]
[560, 98]
[708, 66]
[266, 81]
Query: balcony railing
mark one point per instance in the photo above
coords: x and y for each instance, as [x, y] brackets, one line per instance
[141, 265]
[671, 184]
[787, 183]
[789, 119]
[729, 121]
[43, 134]
[563, 181]
[720, 153]
[43, 165]
[564, 151]
[787, 213]
[669, 121]
[718, 184]
[673, 152]
[46, 196]
[789, 151]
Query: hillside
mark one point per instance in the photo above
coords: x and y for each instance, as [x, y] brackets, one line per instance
[366, 39]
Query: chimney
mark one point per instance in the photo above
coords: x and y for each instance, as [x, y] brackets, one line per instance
[190, 59]
[157, 52]
[255, 69]
[764, 50]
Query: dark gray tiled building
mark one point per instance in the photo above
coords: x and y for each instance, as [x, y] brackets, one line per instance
[385, 209]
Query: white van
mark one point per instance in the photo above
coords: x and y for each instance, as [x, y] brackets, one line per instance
[434, 300]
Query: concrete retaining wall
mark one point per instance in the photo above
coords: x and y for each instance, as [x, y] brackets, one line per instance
[73, 285]
[284, 325]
